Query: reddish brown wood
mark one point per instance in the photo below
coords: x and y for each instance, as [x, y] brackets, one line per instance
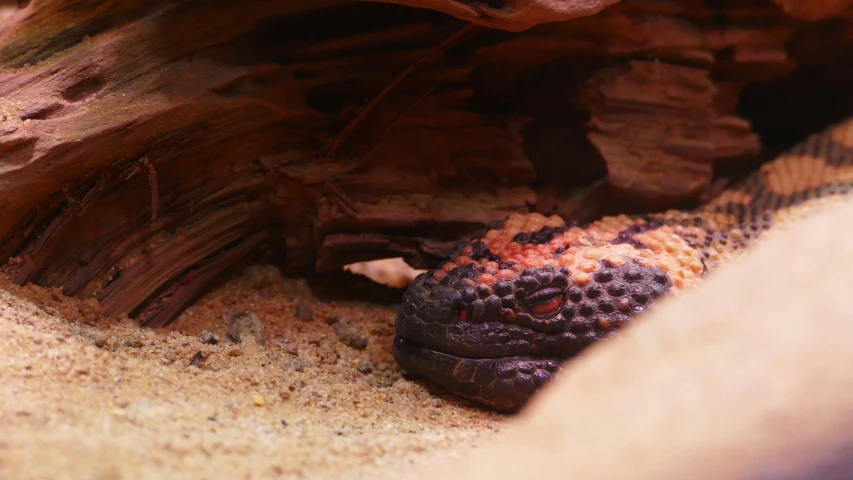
[145, 148]
[512, 15]
[814, 9]
[657, 129]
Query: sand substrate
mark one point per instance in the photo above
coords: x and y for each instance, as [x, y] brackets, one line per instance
[297, 387]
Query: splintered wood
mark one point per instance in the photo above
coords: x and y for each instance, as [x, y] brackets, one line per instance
[146, 150]
[656, 127]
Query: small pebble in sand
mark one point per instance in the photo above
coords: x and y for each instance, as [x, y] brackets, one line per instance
[365, 367]
[208, 337]
[304, 311]
[347, 334]
[244, 325]
[261, 276]
[197, 359]
[100, 339]
[259, 400]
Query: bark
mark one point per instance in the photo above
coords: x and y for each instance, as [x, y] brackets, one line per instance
[512, 15]
[146, 148]
[814, 9]
[516, 15]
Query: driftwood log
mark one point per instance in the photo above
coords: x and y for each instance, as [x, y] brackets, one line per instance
[147, 147]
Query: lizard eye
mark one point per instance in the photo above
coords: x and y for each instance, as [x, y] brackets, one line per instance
[546, 302]
[461, 314]
[549, 306]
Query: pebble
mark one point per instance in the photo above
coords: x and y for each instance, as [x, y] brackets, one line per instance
[244, 325]
[100, 339]
[197, 359]
[259, 400]
[347, 334]
[261, 276]
[304, 311]
[208, 337]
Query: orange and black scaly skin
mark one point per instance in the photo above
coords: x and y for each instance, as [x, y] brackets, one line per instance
[495, 321]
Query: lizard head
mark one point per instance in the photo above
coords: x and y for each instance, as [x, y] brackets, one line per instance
[494, 321]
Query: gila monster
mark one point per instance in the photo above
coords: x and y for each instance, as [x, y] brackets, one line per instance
[494, 322]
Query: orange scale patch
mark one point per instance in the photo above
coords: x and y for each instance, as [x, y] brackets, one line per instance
[528, 223]
[720, 221]
[559, 241]
[616, 260]
[514, 222]
[681, 261]
[696, 268]
[622, 252]
[463, 260]
[490, 236]
[533, 223]
[555, 221]
[730, 196]
[505, 274]
[736, 234]
[665, 249]
[592, 253]
[608, 228]
[533, 261]
[588, 266]
[645, 257]
[792, 173]
[510, 249]
[543, 251]
[536, 221]
[675, 247]
[657, 239]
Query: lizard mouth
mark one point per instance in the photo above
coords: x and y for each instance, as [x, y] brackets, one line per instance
[502, 383]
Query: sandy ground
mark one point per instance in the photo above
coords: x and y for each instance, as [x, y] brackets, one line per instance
[310, 391]
[299, 385]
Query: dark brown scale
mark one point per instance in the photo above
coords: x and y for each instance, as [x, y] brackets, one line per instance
[575, 294]
[496, 225]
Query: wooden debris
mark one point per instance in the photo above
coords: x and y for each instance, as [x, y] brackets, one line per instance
[145, 150]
